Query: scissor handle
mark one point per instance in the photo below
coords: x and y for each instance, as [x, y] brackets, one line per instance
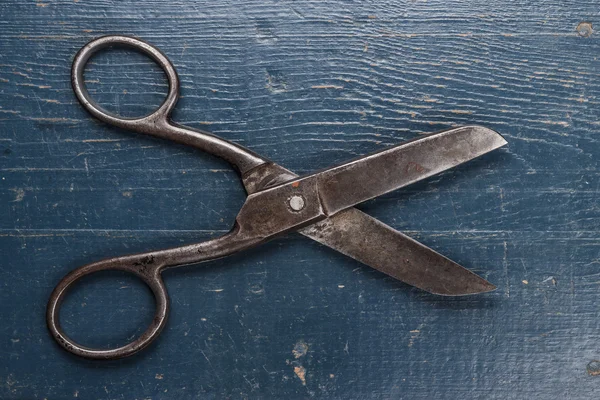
[147, 267]
[156, 123]
[137, 124]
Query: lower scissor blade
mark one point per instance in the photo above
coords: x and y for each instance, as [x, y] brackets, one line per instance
[396, 167]
[373, 243]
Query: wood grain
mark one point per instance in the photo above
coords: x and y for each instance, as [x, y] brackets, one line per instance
[307, 84]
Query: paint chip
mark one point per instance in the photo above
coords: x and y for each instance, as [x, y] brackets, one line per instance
[301, 374]
[19, 195]
[593, 368]
[300, 349]
[585, 29]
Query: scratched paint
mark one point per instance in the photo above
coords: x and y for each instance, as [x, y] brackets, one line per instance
[585, 29]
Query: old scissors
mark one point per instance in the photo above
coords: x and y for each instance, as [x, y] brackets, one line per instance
[319, 206]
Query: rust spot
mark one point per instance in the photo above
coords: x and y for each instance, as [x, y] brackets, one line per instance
[295, 184]
[413, 166]
[148, 260]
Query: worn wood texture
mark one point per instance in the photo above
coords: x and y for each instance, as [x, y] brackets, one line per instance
[307, 84]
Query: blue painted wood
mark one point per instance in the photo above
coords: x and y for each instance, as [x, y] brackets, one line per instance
[308, 84]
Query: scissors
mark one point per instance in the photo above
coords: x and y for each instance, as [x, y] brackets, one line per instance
[319, 206]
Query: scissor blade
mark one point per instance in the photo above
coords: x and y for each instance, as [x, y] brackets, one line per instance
[362, 237]
[357, 235]
[393, 168]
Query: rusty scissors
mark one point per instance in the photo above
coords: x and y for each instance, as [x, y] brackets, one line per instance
[319, 205]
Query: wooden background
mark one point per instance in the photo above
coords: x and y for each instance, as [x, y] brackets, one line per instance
[308, 84]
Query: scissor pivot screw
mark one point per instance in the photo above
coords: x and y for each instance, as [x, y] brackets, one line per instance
[296, 203]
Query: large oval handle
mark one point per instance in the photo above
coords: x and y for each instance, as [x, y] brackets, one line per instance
[147, 267]
[145, 124]
[157, 123]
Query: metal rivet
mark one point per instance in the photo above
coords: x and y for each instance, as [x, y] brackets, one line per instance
[296, 203]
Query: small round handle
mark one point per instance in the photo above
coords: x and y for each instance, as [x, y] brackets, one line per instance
[147, 268]
[147, 124]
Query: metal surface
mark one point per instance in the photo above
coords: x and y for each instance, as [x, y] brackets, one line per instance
[278, 202]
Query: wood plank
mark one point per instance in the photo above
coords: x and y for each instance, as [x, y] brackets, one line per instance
[309, 85]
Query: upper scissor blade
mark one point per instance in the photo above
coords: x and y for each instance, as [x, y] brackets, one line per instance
[393, 168]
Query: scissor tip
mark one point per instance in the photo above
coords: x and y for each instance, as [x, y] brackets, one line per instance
[488, 287]
[501, 140]
[482, 286]
[473, 285]
[492, 138]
